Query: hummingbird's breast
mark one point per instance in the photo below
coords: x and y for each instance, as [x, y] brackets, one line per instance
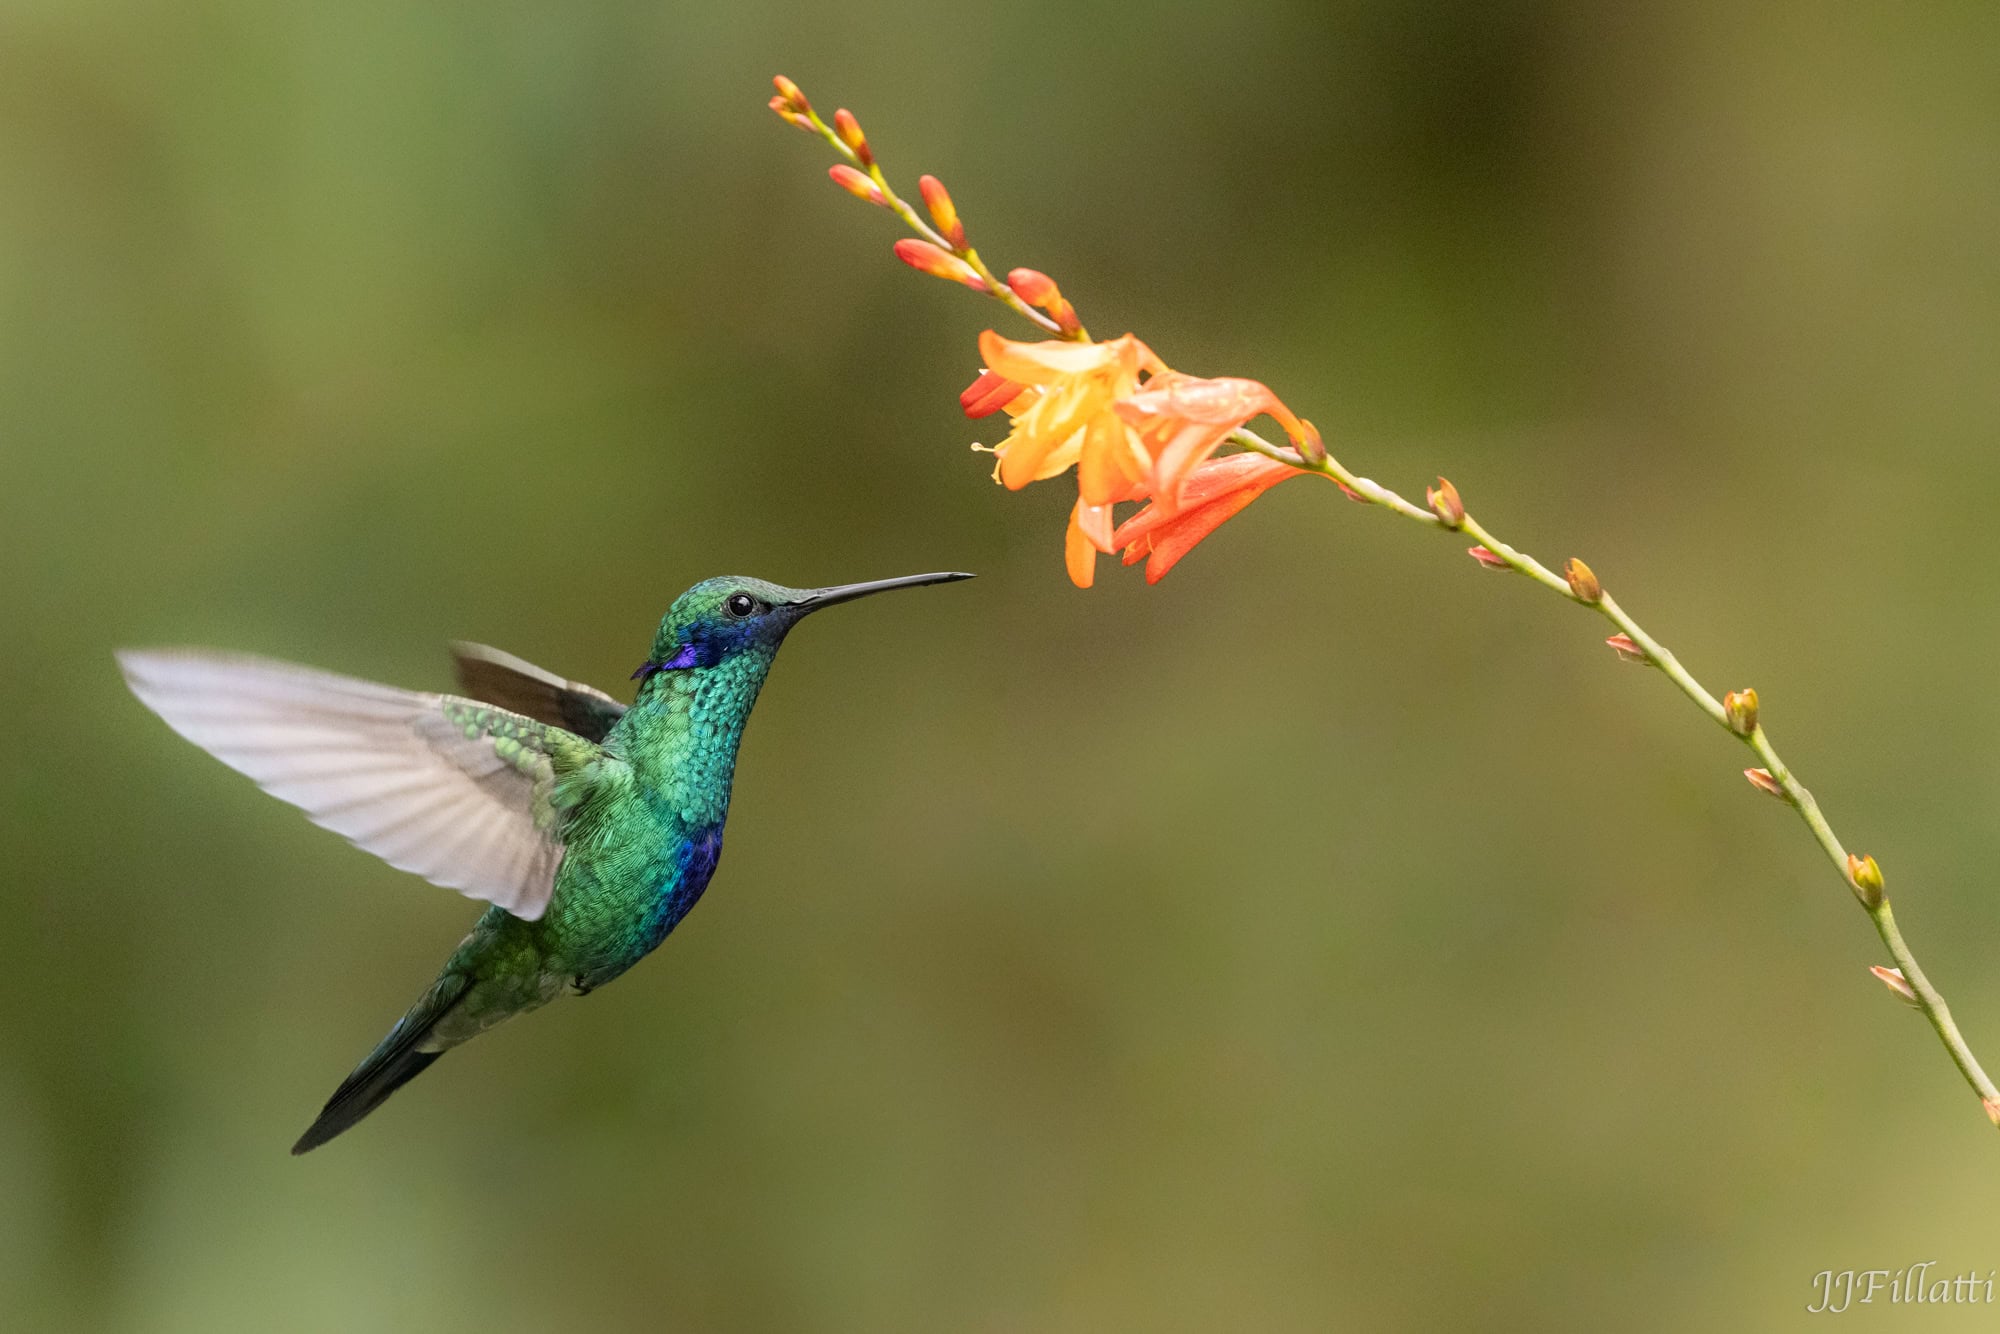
[622, 888]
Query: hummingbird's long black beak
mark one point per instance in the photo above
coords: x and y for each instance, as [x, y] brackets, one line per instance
[827, 597]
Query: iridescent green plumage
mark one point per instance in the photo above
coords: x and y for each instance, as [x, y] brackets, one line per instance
[591, 828]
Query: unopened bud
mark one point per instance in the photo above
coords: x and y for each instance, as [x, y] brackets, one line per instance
[927, 258]
[1866, 877]
[1351, 493]
[988, 394]
[1740, 708]
[1893, 979]
[1311, 448]
[1038, 289]
[789, 94]
[943, 212]
[791, 104]
[1583, 584]
[1626, 649]
[856, 183]
[1492, 560]
[1444, 502]
[1992, 1107]
[1761, 780]
[849, 131]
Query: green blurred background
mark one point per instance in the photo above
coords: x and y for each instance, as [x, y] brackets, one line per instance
[1332, 937]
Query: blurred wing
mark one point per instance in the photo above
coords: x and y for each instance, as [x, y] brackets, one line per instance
[466, 795]
[503, 679]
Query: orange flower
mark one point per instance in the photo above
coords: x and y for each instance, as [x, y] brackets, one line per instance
[1182, 420]
[1070, 417]
[1215, 493]
[1130, 439]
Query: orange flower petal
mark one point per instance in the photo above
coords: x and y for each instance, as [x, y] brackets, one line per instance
[1058, 358]
[988, 394]
[1228, 399]
[1217, 493]
[1094, 522]
[1108, 466]
[1078, 554]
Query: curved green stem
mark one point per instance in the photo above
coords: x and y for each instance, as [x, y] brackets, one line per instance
[1658, 655]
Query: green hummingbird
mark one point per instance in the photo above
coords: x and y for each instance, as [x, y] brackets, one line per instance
[591, 828]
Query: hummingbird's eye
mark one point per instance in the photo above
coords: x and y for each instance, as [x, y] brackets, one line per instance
[740, 605]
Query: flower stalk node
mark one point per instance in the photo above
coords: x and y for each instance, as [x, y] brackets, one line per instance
[1627, 649]
[1489, 558]
[1444, 502]
[1583, 585]
[1893, 979]
[1739, 707]
[1762, 780]
[1866, 877]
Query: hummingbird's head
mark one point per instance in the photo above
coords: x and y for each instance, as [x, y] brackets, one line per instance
[737, 617]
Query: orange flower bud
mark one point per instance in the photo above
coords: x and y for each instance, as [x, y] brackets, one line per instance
[856, 184]
[1033, 286]
[1893, 979]
[1866, 877]
[791, 104]
[1444, 502]
[1311, 448]
[1761, 780]
[1583, 584]
[1491, 560]
[943, 212]
[849, 131]
[1740, 708]
[1626, 649]
[1992, 1106]
[789, 94]
[988, 394]
[1038, 289]
[927, 258]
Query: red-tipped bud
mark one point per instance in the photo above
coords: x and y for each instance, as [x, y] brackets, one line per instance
[1033, 286]
[1992, 1107]
[1038, 289]
[1311, 448]
[1761, 780]
[791, 104]
[1866, 877]
[849, 131]
[789, 94]
[1583, 585]
[1893, 979]
[1627, 650]
[856, 183]
[1739, 710]
[988, 394]
[943, 212]
[1444, 502]
[1490, 559]
[1351, 493]
[927, 258]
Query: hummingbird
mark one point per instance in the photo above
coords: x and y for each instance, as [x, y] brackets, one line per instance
[589, 827]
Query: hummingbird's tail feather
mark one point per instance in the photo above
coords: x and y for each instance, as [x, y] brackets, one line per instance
[400, 1057]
